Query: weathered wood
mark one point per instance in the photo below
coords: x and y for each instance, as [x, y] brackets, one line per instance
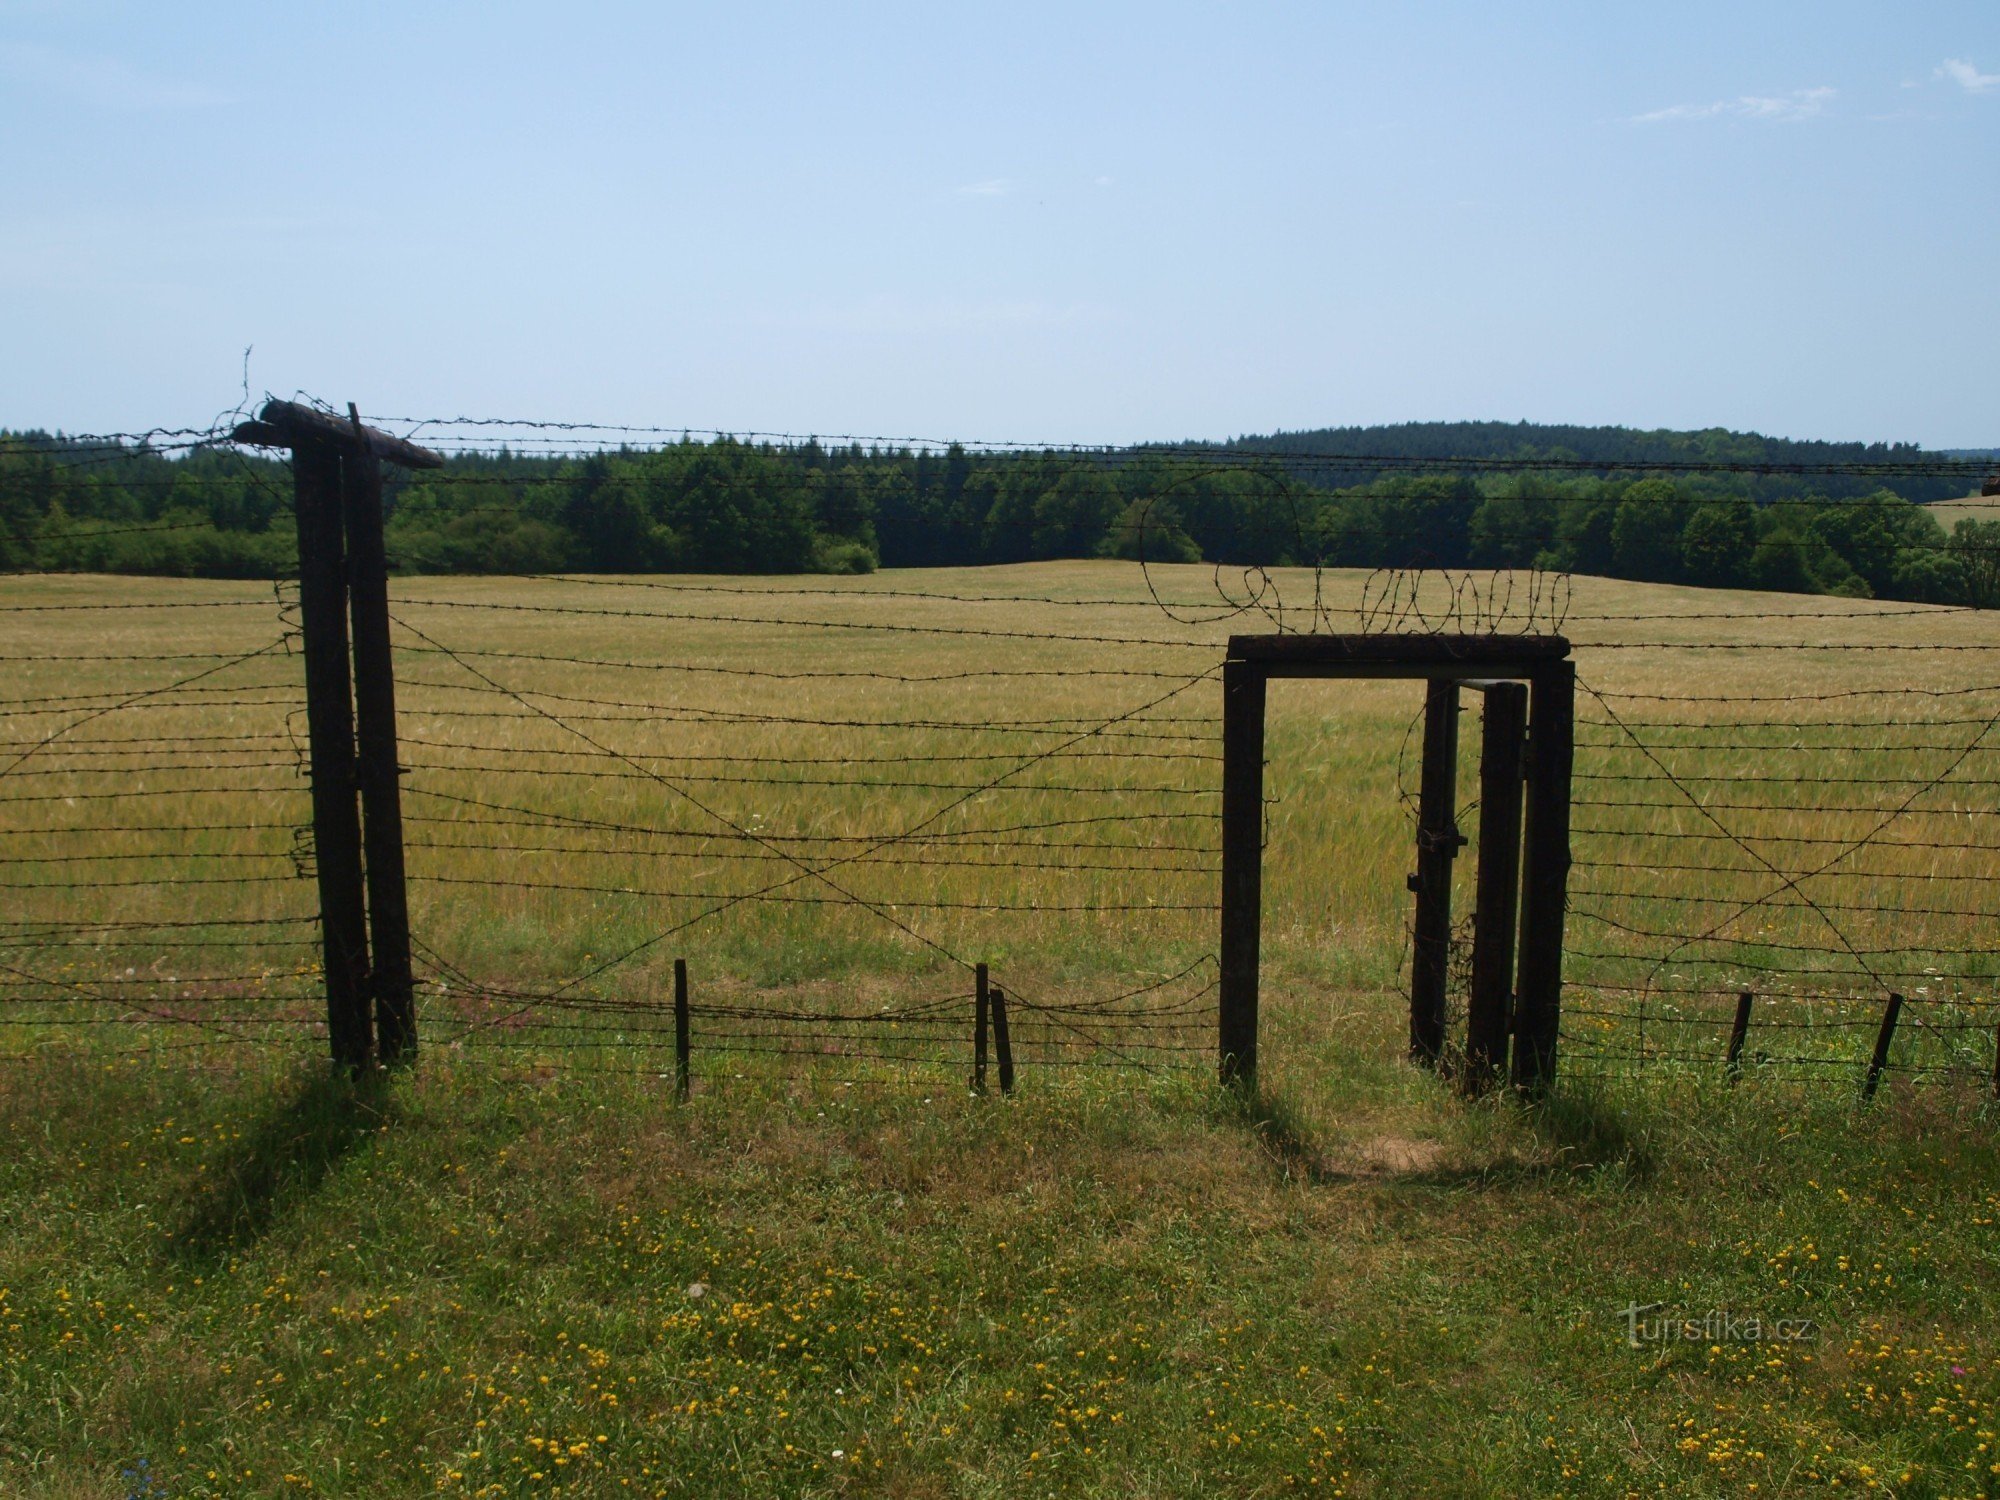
[683, 1063]
[1542, 660]
[1545, 880]
[1003, 1047]
[379, 775]
[330, 735]
[1461, 656]
[1438, 843]
[287, 424]
[1739, 1033]
[1882, 1040]
[259, 435]
[1490, 1006]
[1242, 869]
[980, 1001]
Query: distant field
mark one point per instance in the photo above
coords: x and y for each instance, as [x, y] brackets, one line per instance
[521, 1269]
[586, 771]
[1973, 507]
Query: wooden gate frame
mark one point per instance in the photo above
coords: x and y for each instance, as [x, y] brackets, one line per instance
[1446, 662]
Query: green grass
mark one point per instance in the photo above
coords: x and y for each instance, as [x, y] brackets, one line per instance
[259, 1283]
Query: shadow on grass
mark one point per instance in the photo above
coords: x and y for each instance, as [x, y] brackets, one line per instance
[320, 1117]
[1575, 1131]
[1284, 1137]
[1586, 1132]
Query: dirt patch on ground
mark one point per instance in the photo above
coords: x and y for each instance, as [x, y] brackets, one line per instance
[1390, 1156]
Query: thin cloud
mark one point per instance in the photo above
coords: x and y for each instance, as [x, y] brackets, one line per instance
[992, 187]
[1799, 104]
[104, 82]
[1961, 72]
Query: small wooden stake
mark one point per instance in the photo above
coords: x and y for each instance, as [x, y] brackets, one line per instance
[1882, 1039]
[1738, 1034]
[980, 1002]
[681, 1070]
[1002, 1048]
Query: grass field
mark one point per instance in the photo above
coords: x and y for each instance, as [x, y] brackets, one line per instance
[1973, 507]
[521, 1268]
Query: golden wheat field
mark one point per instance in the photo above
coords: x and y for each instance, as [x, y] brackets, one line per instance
[830, 795]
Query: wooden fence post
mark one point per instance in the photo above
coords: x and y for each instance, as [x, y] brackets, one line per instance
[979, 1013]
[331, 485]
[1003, 1047]
[1882, 1040]
[1738, 1034]
[330, 735]
[1438, 843]
[375, 730]
[1545, 886]
[1242, 869]
[1491, 1005]
[683, 1069]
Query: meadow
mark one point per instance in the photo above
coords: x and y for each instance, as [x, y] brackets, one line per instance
[1973, 507]
[520, 1267]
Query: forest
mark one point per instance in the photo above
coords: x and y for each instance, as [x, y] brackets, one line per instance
[1572, 499]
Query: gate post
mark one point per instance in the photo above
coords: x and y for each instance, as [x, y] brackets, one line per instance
[1498, 901]
[1545, 897]
[1242, 869]
[1437, 847]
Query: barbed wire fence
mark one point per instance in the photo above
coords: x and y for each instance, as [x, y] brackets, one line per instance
[895, 822]
[157, 843]
[602, 776]
[1845, 850]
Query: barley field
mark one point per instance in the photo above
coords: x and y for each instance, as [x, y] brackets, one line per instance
[520, 1267]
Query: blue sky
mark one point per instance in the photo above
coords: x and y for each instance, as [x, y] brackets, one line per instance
[1024, 221]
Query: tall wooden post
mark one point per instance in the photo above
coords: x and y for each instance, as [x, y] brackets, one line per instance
[337, 494]
[381, 790]
[1491, 1004]
[330, 734]
[1438, 843]
[1545, 893]
[1242, 868]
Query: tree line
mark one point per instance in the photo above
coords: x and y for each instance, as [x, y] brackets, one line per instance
[725, 505]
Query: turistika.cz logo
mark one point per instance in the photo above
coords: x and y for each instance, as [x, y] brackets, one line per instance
[1648, 1323]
